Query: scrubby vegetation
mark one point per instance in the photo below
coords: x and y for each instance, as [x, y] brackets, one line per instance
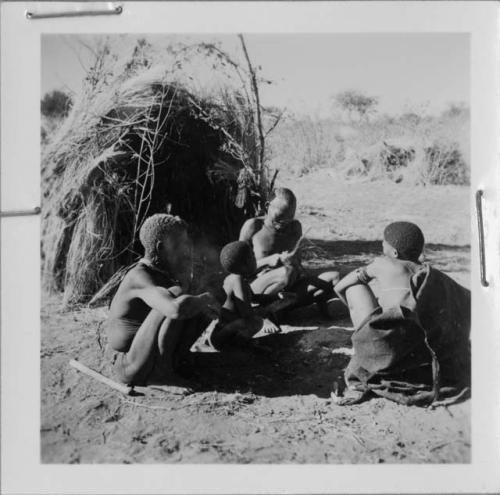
[413, 147]
[54, 108]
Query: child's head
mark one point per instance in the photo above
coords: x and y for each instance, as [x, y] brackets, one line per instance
[282, 208]
[403, 240]
[166, 242]
[238, 257]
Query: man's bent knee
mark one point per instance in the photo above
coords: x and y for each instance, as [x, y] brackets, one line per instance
[333, 277]
[118, 340]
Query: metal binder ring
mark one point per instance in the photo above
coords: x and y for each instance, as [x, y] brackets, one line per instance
[76, 13]
[480, 226]
[21, 213]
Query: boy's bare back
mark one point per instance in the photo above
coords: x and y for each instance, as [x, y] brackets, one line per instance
[390, 279]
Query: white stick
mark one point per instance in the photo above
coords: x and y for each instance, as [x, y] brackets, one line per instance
[124, 389]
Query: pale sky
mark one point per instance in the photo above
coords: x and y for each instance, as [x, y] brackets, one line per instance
[406, 71]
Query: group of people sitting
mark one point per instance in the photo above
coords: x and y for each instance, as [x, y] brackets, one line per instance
[411, 322]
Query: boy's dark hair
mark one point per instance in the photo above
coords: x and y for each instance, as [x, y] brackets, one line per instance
[406, 238]
[155, 228]
[235, 255]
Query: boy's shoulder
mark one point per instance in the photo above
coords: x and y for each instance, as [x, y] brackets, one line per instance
[386, 263]
[143, 275]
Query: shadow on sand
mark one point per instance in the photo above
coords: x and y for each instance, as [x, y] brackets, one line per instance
[309, 360]
[301, 362]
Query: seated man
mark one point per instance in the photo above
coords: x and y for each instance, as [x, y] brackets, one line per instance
[152, 322]
[412, 324]
[239, 321]
[275, 239]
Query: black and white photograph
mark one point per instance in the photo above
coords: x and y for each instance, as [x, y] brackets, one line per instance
[255, 248]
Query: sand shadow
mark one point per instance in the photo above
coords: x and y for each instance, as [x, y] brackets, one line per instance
[302, 362]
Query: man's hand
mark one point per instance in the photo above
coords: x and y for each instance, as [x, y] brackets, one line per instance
[209, 305]
[289, 258]
[274, 260]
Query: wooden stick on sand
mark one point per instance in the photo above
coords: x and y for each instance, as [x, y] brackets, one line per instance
[124, 389]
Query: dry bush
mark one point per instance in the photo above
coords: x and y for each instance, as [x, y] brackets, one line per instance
[413, 147]
[302, 145]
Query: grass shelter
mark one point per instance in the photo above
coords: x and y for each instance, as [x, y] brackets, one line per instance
[145, 137]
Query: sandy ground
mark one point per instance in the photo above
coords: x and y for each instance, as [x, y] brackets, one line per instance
[254, 408]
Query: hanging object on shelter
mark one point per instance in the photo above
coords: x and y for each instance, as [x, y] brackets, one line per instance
[244, 183]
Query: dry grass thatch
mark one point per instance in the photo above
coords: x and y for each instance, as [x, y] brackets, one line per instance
[142, 139]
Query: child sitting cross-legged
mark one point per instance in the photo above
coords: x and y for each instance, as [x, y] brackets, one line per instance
[239, 320]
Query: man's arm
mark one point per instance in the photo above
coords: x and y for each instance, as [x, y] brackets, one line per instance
[250, 228]
[182, 307]
[272, 261]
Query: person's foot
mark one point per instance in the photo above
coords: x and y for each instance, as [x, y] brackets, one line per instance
[350, 397]
[173, 389]
[174, 384]
[172, 381]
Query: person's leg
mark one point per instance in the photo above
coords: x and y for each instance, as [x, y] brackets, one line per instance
[309, 289]
[169, 337]
[137, 362]
[273, 281]
[321, 287]
[321, 290]
[175, 338]
[232, 334]
[193, 328]
[361, 303]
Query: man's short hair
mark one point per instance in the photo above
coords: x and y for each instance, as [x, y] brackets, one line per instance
[155, 228]
[235, 255]
[406, 238]
[285, 195]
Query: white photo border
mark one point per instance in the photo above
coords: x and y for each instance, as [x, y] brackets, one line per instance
[21, 469]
